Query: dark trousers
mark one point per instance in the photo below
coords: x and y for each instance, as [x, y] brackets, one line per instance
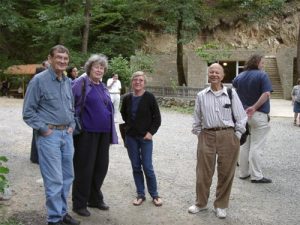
[91, 160]
[34, 157]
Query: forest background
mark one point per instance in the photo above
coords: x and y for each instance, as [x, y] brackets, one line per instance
[117, 28]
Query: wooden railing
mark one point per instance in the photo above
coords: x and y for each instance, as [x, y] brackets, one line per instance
[178, 91]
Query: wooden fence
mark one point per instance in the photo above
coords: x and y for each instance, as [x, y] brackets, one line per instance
[178, 91]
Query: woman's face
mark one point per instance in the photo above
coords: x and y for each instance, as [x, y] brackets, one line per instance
[74, 72]
[97, 72]
[138, 83]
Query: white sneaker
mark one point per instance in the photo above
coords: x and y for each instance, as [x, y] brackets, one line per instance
[220, 213]
[195, 209]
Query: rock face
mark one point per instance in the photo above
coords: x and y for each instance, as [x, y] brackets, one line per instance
[268, 34]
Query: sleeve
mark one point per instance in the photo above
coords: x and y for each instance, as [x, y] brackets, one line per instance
[197, 117]
[239, 114]
[266, 84]
[124, 106]
[156, 117]
[30, 107]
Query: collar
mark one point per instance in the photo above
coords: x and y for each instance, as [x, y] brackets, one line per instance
[223, 90]
[53, 74]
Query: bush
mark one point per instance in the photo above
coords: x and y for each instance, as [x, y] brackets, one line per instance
[3, 171]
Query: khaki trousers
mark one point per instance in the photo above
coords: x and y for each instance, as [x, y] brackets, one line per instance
[221, 146]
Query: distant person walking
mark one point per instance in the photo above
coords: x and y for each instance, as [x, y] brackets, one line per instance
[114, 88]
[48, 108]
[296, 101]
[254, 89]
[141, 114]
[218, 141]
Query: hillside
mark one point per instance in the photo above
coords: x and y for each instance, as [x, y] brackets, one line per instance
[269, 34]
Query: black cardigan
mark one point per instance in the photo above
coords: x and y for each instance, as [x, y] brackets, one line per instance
[147, 119]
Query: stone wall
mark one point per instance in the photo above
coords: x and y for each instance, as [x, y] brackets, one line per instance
[178, 102]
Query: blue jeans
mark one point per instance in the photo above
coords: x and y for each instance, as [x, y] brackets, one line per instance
[56, 164]
[140, 154]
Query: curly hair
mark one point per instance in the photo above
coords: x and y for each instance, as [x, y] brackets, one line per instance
[96, 58]
[253, 62]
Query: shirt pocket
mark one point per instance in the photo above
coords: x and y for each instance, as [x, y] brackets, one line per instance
[226, 111]
[51, 99]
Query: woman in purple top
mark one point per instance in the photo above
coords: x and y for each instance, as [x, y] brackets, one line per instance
[91, 158]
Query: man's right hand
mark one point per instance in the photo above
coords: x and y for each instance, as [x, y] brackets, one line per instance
[47, 133]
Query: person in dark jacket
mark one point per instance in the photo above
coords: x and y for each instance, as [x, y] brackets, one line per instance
[142, 118]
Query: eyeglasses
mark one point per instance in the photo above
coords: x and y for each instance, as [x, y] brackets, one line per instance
[138, 80]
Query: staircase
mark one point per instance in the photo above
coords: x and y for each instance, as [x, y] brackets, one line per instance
[271, 69]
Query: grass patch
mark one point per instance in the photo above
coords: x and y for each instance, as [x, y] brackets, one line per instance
[11, 222]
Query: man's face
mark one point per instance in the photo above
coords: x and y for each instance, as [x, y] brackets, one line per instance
[115, 77]
[59, 61]
[215, 74]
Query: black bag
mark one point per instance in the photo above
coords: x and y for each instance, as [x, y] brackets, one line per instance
[247, 132]
[245, 135]
[78, 128]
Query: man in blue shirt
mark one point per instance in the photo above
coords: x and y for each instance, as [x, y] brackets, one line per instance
[48, 108]
[254, 89]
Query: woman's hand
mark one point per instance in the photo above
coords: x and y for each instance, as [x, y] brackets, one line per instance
[148, 136]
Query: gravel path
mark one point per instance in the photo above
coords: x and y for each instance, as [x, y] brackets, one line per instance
[174, 163]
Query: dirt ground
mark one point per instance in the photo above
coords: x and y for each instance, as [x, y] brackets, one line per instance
[174, 163]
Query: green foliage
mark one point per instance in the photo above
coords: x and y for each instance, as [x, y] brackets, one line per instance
[3, 171]
[141, 62]
[11, 222]
[212, 52]
[121, 66]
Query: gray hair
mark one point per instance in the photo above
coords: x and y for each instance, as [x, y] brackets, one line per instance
[96, 58]
[139, 73]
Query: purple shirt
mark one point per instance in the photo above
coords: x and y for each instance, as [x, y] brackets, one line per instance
[77, 89]
[97, 113]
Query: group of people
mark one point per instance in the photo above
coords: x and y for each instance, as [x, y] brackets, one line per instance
[52, 100]
[51, 103]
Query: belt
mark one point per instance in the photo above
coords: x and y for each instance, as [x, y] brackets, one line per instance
[57, 127]
[218, 128]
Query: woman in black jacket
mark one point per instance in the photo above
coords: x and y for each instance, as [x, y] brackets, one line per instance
[141, 114]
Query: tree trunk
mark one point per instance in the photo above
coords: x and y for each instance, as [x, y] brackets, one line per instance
[298, 54]
[180, 69]
[86, 29]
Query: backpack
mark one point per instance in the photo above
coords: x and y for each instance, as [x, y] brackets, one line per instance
[247, 132]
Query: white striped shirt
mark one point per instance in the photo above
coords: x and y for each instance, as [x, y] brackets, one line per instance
[213, 109]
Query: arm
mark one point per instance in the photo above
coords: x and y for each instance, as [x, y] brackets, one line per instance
[239, 115]
[31, 105]
[197, 117]
[110, 83]
[124, 106]
[262, 99]
[156, 118]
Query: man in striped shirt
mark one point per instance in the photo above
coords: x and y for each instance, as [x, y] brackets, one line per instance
[218, 140]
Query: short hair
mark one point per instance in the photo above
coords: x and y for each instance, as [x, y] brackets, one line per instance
[216, 65]
[253, 61]
[59, 49]
[137, 74]
[96, 58]
[298, 81]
